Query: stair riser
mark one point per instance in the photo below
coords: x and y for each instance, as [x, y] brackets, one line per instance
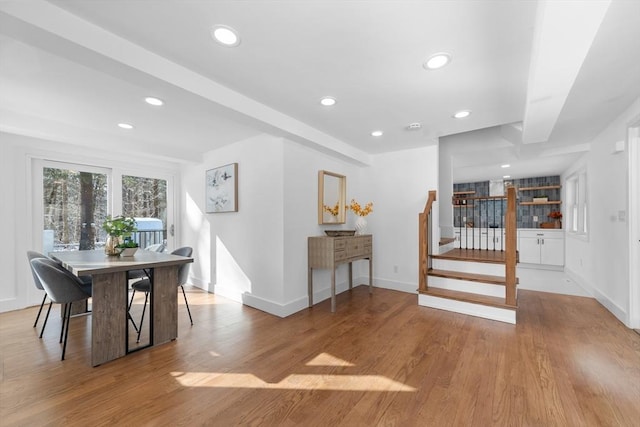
[446, 248]
[467, 286]
[478, 310]
[468, 267]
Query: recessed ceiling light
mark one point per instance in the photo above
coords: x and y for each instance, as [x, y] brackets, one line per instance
[376, 133]
[437, 60]
[224, 35]
[125, 126]
[505, 166]
[154, 101]
[328, 101]
[506, 176]
[462, 114]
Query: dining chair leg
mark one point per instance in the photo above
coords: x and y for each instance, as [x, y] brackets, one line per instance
[187, 304]
[135, 327]
[133, 294]
[144, 308]
[44, 299]
[45, 319]
[67, 314]
[64, 319]
[133, 322]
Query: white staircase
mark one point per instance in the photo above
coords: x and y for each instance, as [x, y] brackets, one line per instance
[468, 287]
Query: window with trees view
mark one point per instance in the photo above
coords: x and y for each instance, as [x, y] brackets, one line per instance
[76, 203]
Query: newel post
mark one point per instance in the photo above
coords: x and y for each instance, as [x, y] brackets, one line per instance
[510, 247]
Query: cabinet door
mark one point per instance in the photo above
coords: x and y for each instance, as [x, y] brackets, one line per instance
[484, 240]
[463, 239]
[552, 251]
[530, 250]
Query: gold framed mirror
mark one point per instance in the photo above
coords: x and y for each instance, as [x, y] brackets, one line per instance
[332, 198]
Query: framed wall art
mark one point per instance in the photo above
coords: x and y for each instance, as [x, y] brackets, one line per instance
[221, 189]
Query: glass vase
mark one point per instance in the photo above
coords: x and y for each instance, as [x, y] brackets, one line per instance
[111, 245]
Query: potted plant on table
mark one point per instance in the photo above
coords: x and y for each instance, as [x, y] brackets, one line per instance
[118, 229]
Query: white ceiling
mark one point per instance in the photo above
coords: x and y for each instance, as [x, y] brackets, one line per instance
[71, 70]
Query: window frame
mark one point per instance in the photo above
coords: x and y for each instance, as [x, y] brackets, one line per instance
[577, 204]
[114, 182]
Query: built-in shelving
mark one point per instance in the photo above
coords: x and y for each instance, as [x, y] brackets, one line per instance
[550, 202]
[545, 187]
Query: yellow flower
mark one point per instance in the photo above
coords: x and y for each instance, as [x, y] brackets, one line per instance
[332, 210]
[359, 210]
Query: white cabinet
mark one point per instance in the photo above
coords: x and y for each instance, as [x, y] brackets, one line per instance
[474, 238]
[539, 246]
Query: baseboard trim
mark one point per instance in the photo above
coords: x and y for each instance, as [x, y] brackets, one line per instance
[411, 288]
[615, 309]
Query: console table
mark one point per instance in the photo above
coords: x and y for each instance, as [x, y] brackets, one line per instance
[329, 252]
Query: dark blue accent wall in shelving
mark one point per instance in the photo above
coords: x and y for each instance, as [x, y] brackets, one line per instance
[495, 210]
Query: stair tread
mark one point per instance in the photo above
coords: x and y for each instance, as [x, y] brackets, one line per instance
[446, 240]
[473, 255]
[468, 297]
[472, 277]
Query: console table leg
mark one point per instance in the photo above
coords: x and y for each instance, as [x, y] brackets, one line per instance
[333, 290]
[371, 274]
[350, 275]
[310, 285]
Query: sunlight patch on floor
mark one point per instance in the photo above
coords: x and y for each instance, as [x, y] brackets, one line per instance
[292, 382]
[325, 359]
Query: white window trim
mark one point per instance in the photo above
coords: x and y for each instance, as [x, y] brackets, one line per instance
[36, 161]
[577, 205]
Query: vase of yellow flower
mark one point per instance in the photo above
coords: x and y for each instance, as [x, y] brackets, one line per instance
[361, 222]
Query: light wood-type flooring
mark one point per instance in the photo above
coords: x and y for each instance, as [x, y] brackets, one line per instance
[379, 360]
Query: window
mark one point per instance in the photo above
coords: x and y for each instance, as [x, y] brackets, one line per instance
[577, 207]
[146, 200]
[73, 200]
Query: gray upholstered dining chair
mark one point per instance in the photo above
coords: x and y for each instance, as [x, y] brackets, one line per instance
[33, 255]
[62, 288]
[141, 274]
[144, 285]
[84, 281]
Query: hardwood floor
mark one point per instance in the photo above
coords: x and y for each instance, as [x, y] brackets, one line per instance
[379, 360]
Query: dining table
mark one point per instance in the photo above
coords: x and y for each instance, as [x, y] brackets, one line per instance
[110, 290]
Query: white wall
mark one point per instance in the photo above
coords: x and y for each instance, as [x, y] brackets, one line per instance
[399, 183]
[239, 254]
[600, 263]
[15, 292]
[266, 241]
[301, 166]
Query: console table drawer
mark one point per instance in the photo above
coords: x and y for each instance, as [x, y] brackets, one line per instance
[340, 244]
[340, 255]
[357, 248]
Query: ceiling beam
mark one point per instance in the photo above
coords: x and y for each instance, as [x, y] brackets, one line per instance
[564, 33]
[55, 20]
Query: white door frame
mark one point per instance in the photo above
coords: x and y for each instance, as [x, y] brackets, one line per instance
[633, 145]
